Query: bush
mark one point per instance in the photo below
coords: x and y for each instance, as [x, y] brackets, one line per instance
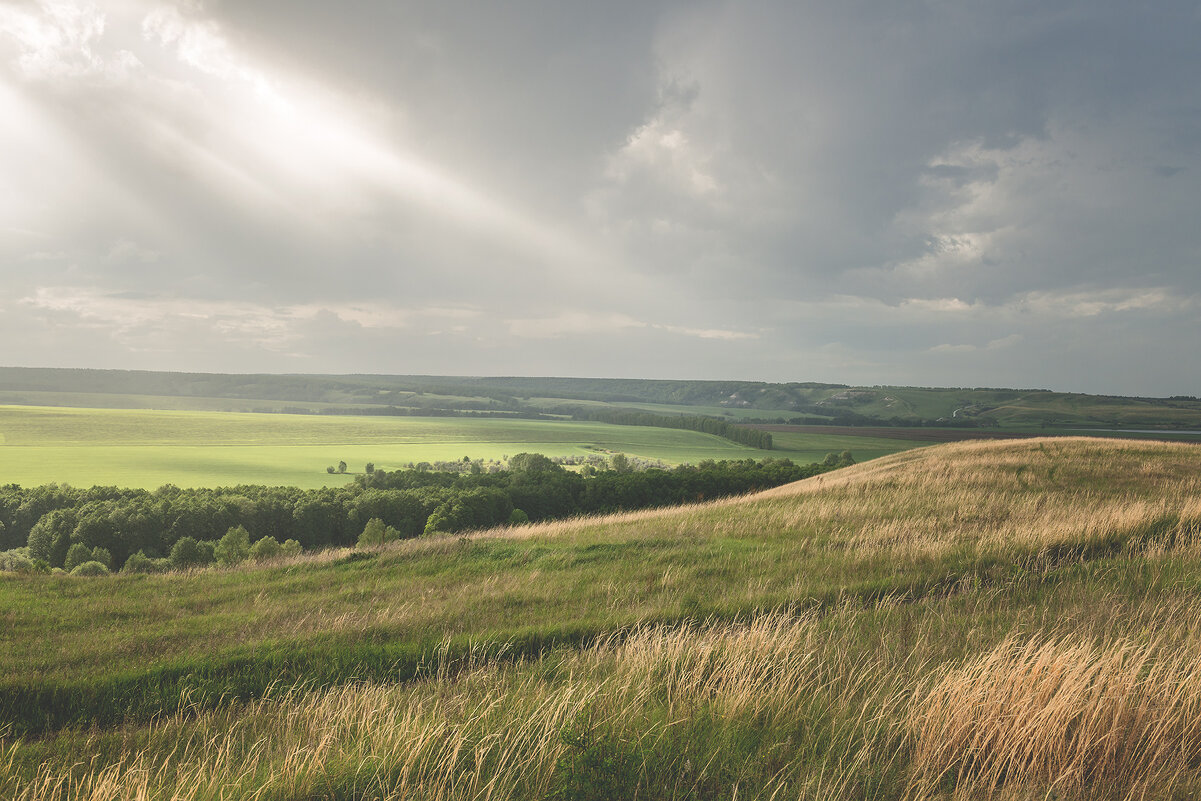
[517, 517]
[77, 554]
[92, 568]
[138, 563]
[266, 549]
[17, 561]
[234, 547]
[291, 548]
[186, 553]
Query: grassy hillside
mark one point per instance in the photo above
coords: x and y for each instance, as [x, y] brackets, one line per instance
[149, 448]
[1006, 618]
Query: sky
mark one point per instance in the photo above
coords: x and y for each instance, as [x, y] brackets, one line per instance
[919, 192]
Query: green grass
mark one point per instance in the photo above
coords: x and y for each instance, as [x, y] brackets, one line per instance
[149, 448]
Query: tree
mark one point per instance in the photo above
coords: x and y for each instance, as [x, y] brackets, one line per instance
[186, 553]
[369, 468]
[621, 463]
[374, 533]
[533, 463]
[341, 467]
[266, 549]
[330, 469]
[138, 563]
[41, 540]
[77, 554]
[234, 547]
[290, 548]
[102, 556]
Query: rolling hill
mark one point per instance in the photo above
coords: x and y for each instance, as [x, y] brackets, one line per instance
[1012, 618]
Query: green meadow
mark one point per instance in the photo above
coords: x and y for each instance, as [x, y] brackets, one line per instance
[149, 448]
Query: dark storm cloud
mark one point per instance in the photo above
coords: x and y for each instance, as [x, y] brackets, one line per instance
[915, 192]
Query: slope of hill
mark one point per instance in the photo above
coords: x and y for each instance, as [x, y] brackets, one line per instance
[1008, 618]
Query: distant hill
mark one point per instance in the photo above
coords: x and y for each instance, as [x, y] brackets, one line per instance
[837, 404]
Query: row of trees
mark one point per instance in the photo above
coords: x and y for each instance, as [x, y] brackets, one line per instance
[708, 425]
[60, 525]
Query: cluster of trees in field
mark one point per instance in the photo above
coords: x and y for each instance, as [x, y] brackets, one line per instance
[708, 425]
[57, 526]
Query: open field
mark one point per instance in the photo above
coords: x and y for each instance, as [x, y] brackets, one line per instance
[149, 448]
[1006, 619]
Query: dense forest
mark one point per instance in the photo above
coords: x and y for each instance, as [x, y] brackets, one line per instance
[57, 526]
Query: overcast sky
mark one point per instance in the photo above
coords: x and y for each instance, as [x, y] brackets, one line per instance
[926, 193]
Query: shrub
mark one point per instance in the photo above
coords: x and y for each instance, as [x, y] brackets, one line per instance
[234, 547]
[517, 517]
[92, 568]
[77, 554]
[186, 553]
[17, 561]
[138, 563]
[266, 549]
[291, 548]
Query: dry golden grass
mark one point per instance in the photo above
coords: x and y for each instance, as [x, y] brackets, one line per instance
[1078, 718]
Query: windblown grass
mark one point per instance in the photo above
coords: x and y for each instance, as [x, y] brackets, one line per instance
[1061, 714]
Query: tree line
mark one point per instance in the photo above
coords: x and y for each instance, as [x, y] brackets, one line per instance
[708, 425]
[58, 526]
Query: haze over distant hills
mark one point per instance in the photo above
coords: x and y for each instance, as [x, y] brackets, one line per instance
[807, 402]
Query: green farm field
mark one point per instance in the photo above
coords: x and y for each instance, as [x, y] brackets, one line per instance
[149, 448]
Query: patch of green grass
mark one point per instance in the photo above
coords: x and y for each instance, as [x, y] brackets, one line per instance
[149, 448]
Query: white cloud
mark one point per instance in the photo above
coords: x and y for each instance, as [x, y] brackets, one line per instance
[995, 344]
[125, 251]
[1093, 303]
[663, 153]
[60, 40]
[585, 323]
